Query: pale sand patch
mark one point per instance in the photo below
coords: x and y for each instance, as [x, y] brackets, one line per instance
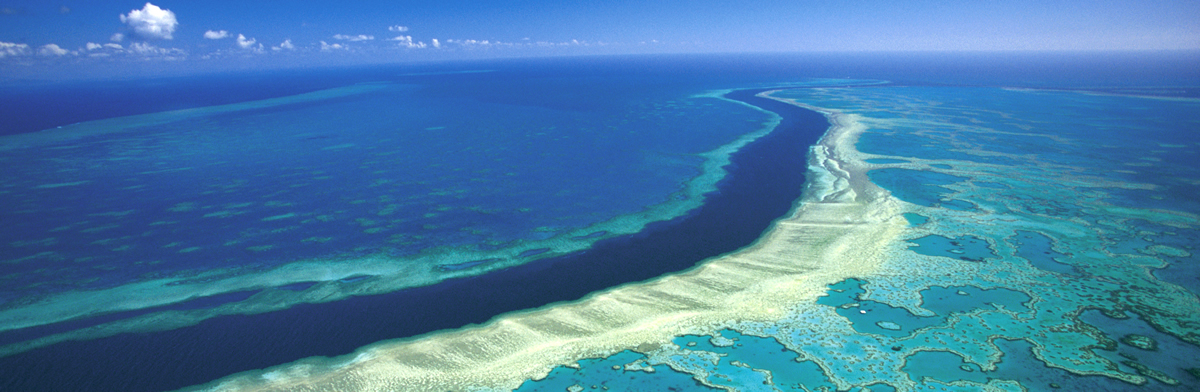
[60, 184]
[278, 217]
[838, 231]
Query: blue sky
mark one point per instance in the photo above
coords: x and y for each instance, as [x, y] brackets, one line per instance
[44, 37]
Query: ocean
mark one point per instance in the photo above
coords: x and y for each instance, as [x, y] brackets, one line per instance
[748, 222]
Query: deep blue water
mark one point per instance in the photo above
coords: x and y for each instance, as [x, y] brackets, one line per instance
[471, 163]
[528, 151]
[33, 106]
[767, 174]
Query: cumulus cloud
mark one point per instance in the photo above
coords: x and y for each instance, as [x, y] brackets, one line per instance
[331, 47]
[13, 49]
[151, 22]
[117, 37]
[407, 41]
[435, 43]
[52, 50]
[216, 34]
[245, 43]
[287, 44]
[354, 38]
[398, 28]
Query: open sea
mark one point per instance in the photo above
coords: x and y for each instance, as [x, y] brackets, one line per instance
[208, 232]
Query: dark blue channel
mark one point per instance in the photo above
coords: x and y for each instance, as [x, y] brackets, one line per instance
[765, 178]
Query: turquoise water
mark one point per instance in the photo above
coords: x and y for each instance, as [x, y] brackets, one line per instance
[1063, 176]
[1051, 246]
[625, 371]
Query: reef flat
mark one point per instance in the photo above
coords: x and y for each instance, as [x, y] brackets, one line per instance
[844, 218]
[1042, 252]
[1008, 193]
[272, 308]
[1016, 284]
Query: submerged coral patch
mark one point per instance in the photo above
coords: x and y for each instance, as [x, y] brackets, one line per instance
[969, 248]
[624, 371]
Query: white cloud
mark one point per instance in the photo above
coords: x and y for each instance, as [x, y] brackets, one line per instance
[249, 44]
[354, 38]
[435, 42]
[149, 50]
[469, 42]
[117, 37]
[548, 44]
[327, 47]
[398, 28]
[49, 50]
[406, 41]
[92, 46]
[13, 49]
[151, 22]
[287, 44]
[216, 34]
[244, 42]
